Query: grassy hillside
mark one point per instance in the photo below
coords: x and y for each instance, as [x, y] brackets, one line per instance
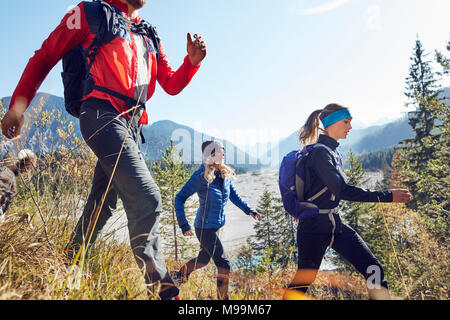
[43, 214]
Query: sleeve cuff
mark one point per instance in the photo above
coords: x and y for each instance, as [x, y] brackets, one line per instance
[188, 63]
[248, 211]
[185, 228]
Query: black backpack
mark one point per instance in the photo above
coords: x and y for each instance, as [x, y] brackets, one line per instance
[105, 22]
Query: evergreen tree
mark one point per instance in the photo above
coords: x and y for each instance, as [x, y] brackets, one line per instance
[443, 61]
[433, 184]
[377, 160]
[244, 260]
[267, 231]
[424, 159]
[421, 90]
[288, 229]
[355, 175]
[170, 174]
[275, 230]
[387, 174]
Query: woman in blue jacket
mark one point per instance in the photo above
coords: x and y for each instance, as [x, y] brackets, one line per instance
[213, 184]
[325, 186]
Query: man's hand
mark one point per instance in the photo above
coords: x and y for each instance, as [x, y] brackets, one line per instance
[196, 49]
[400, 195]
[188, 233]
[12, 122]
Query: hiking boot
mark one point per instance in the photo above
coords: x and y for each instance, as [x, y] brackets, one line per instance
[379, 294]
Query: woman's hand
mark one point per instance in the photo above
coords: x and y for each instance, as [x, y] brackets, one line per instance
[188, 233]
[401, 195]
[255, 215]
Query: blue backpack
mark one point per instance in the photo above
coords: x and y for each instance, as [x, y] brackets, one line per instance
[292, 179]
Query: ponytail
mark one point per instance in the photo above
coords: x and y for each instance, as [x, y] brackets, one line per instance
[309, 133]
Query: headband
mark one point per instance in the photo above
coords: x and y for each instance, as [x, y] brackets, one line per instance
[335, 117]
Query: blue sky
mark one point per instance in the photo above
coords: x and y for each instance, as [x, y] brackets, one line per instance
[269, 64]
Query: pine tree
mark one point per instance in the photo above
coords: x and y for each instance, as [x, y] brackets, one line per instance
[424, 159]
[433, 185]
[352, 211]
[275, 230]
[244, 261]
[385, 183]
[421, 90]
[288, 230]
[443, 61]
[267, 232]
[170, 174]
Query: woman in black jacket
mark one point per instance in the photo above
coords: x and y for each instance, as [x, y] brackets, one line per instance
[325, 183]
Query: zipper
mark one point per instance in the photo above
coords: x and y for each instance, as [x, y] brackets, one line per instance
[135, 64]
[206, 205]
[222, 201]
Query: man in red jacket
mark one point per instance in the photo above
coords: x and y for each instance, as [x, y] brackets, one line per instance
[129, 66]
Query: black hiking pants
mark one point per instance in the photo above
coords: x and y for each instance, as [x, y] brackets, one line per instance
[313, 238]
[211, 248]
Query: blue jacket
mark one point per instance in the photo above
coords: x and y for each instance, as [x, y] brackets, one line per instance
[212, 198]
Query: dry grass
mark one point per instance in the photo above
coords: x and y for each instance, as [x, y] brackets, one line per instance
[418, 264]
[43, 214]
[32, 266]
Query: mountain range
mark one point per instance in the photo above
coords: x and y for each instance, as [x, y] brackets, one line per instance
[359, 141]
[188, 140]
[157, 135]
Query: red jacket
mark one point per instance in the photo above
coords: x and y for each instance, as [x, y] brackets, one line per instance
[115, 66]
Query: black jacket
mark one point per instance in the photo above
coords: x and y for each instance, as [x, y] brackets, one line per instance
[322, 172]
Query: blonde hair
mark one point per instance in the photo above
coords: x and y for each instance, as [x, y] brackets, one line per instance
[208, 149]
[225, 172]
[309, 133]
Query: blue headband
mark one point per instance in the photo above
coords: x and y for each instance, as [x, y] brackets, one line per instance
[335, 117]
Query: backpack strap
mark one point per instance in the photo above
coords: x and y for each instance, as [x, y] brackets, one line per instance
[146, 29]
[116, 21]
[130, 102]
[334, 156]
[299, 183]
[106, 29]
[318, 194]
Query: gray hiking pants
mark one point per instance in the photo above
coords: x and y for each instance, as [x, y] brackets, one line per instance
[132, 182]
